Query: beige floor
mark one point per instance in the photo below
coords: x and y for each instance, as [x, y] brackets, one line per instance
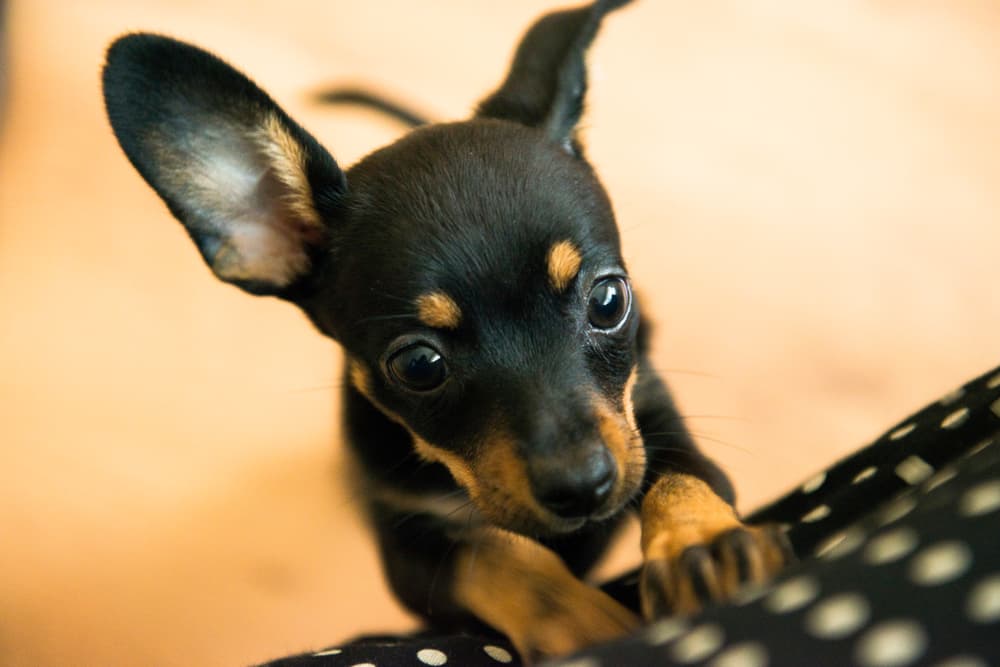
[809, 197]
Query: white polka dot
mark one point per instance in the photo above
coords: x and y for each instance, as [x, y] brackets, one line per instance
[981, 499]
[890, 546]
[940, 563]
[665, 631]
[956, 418]
[898, 510]
[746, 654]
[962, 661]
[813, 483]
[498, 654]
[952, 396]
[363, 664]
[978, 447]
[995, 407]
[864, 474]
[750, 593]
[902, 431]
[891, 644]
[792, 594]
[993, 382]
[838, 616]
[983, 605]
[698, 644]
[841, 544]
[817, 513]
[914, 470]
[942, 477]
[328, 651]
[431, 656]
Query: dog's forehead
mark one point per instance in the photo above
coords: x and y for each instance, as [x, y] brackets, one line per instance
[488, 204]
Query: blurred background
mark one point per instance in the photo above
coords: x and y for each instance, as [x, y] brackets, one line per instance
[808, 192]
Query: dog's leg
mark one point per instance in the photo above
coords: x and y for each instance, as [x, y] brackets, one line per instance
[524, 589]
[446, 569]
[445, 563]
[695, 548]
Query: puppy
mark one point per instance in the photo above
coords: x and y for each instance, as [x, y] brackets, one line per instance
[499, 405]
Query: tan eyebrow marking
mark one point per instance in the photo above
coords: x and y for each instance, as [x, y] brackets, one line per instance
[564, 263]
[437, 309]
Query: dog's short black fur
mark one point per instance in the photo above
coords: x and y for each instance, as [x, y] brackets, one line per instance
[499, 405]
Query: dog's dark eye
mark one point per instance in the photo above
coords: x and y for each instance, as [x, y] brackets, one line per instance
[608, 305]
[419, 367]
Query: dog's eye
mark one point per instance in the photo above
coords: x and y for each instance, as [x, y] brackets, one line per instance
[419, 367]
[608, 305]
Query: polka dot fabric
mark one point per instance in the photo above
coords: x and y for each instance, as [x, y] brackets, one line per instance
[917, 450]
[899, 549]
[422, 650]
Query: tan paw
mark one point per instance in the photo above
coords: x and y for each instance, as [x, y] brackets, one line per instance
[571, 621]
[683, 578]
[525, 590]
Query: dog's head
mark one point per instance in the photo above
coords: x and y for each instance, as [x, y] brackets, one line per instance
[472, 271]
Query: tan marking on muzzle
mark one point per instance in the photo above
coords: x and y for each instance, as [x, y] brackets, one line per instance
[438, 310]
[455, 464]
[459, 469]
[621, 436]
[449, 506]
[563, 264]
[506, 494]
[628, 400]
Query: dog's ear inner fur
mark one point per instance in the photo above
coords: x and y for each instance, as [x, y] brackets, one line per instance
[253, 189]
[547, 81]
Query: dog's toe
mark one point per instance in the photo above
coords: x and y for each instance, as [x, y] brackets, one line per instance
[686, 578]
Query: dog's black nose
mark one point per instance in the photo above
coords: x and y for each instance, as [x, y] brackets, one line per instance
[573, 489]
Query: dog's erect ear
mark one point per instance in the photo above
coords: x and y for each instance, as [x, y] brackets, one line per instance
[547, 80]
[254, 190]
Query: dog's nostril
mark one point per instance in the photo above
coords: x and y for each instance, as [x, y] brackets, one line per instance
[577, 491]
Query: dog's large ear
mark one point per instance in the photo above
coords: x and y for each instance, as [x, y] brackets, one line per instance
[547, 81]
[254, 190]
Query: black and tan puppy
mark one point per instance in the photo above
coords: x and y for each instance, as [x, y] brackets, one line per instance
[499, 406]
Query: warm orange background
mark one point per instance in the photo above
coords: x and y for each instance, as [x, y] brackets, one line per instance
[809, 197]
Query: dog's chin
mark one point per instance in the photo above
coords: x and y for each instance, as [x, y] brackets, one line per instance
[540, 523]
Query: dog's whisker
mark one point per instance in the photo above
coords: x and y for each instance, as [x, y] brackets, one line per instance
[384, 318]
[437, 575]
[687, 371]
[658, 434]
[387, 295]
[725, 443]
[440, 498]
[723, 417]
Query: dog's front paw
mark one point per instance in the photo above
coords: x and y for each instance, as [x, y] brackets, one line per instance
[680, 578]
[569, 621]
[526, 591]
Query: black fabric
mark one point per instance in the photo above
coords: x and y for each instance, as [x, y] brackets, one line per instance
[900, 565]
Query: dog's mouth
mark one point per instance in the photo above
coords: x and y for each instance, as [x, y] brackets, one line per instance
[560, 495]
[506, 504]
[499, 483]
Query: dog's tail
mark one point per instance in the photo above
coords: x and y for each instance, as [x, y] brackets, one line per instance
[357, 96]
